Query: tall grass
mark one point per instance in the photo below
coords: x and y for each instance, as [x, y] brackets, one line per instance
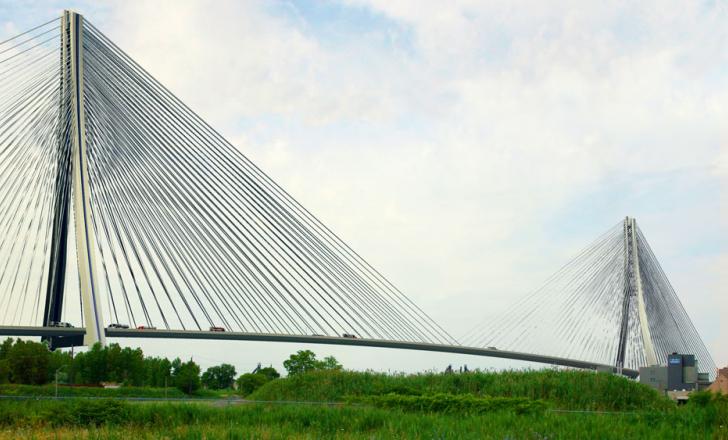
[121, 392]
[73, 391]
[565, 389]
[110, 419]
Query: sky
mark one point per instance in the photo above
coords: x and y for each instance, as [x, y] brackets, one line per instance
[467, 151]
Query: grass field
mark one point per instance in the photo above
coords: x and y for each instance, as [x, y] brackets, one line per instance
[558, 405]
[32, 419]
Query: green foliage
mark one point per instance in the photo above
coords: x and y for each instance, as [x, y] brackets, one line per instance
[85, 413]
[158, 372]
[700, 398]
[110, 364]
[249, 382]
[329, 363]
[84, 391]
[108, 419]
[463, 404]
[566, 389]
[712, 406]
[300, 362]
[92, 365]
[186, 376]
[219, 377]
[4, 364]
[305, 360]
[27, 362]
[269, 372]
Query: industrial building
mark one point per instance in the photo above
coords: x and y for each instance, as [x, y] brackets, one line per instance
[680, 374]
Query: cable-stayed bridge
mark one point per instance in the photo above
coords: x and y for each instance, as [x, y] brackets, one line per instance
[120, 207]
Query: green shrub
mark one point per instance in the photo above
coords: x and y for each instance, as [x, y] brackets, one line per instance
[249, 382]
[453, 403]
[100, 412]
[581, 390]
[73, 391]
[700, 398]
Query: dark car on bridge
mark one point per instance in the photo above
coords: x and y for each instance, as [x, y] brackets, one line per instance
[60, 324]
[217, 329]
[115, 325]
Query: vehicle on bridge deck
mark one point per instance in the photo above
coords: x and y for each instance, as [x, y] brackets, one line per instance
[348, 335]
[116, 325]
[145, 327]
[217, 329]
[60, 324]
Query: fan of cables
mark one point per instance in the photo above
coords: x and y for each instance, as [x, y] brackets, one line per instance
[580, 312]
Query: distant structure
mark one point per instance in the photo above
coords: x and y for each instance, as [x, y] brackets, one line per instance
[611, 304]
[680, 374]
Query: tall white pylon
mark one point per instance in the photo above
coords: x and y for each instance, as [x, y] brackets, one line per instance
[641, 309]
[72, 26]
[633, 290]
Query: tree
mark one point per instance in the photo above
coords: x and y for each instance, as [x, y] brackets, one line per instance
[186, 376]
[300, 362]
[62, 362]
[4, 366]
[219, 377]
[92, 366]
[28, 362]
[269, 372]
[249, 382]
[158, 372]
[5, 348]
[305, 360]
[329, 363]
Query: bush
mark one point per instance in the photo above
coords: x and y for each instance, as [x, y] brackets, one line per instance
[700, 398]
[82, 391]
[100, 412]
[219, 377]
[565, 389]
[453, 403]
[269, 372]
[249, 382]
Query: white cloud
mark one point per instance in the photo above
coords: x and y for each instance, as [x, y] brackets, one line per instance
[435, 162]
[448, 162]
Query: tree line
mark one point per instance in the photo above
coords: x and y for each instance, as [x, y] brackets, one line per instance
[32, 363]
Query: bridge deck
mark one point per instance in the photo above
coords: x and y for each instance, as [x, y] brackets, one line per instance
[327, 340]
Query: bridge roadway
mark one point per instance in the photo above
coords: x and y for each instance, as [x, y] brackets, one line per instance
[327, 340]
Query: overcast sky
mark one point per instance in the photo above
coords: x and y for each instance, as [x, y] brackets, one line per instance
[467, 152]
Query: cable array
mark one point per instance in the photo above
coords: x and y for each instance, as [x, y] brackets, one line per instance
[191, 234]
[671, 328]
[578, 313]
[29, 155]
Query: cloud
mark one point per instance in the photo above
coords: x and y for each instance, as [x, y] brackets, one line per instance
[469, 151]
[448, 155]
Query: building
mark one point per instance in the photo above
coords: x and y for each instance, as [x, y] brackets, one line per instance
[680, 374]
